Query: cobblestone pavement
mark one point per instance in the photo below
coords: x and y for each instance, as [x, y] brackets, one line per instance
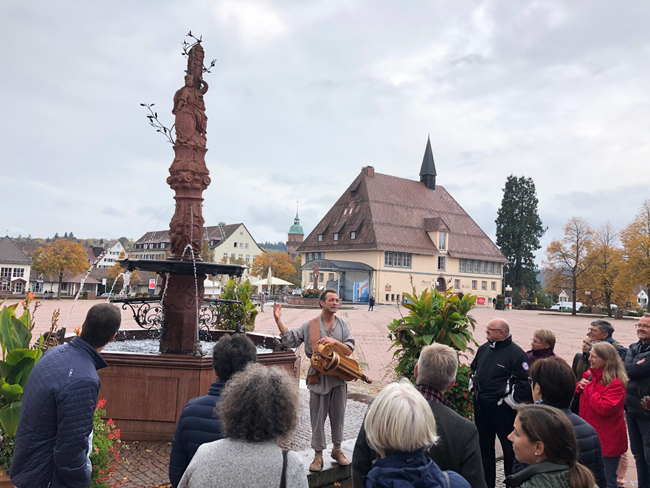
[372, 351]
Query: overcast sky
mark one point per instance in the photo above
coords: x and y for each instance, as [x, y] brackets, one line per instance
[306, 93]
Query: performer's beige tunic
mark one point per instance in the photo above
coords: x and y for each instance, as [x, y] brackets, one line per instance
[330, 395]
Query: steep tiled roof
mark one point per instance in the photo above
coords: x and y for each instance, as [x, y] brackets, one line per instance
[391, 213]
[10, 253]
[213, 233]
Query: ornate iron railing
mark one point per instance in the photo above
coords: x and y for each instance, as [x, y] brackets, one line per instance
[149, 313]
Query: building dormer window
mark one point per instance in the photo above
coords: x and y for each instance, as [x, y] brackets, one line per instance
[353, 235]
[336, 236]
[442, 241]
[320, 237]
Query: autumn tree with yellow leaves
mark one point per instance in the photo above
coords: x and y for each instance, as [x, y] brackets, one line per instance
[569, 259]
[61, 258]
[604, 279]
[279, 262]
[636, 248]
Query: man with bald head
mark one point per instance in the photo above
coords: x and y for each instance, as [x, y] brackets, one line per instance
[499, 383]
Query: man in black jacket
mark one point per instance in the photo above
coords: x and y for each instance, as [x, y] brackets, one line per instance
[553, 384]
[457, 448]
[499, 383]
[197, 423]
[54, 436]
[637, 366]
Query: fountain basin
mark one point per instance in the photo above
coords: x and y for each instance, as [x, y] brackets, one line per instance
[145, 393]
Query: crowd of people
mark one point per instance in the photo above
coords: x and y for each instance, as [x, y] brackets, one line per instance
[559, 425]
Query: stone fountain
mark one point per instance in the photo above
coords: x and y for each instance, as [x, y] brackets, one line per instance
[146, 393]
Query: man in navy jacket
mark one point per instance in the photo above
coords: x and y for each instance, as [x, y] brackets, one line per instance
[499, 383]
[54, 436]
[198, 424]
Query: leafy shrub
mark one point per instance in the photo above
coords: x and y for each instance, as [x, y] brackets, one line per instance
[105, 456]
[435, 317]
[16, 365]
[459, 395]
[235, 315]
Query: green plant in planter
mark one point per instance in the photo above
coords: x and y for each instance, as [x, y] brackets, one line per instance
[435, 317]
[17, 362]
[234, 315]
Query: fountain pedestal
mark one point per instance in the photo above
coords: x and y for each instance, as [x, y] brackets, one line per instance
[145, 393]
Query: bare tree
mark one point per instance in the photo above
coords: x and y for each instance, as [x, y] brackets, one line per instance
[567, 260]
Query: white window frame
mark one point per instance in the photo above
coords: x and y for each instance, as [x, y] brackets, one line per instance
[442, 260]
[442, 241]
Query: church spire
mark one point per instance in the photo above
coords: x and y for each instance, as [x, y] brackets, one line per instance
[428, 169]
[296, 221]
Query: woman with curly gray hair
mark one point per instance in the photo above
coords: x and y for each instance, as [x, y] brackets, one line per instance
[259, 405]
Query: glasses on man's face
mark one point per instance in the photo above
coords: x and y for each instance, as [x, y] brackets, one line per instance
[642, 326]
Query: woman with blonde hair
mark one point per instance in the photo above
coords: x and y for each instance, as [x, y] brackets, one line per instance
[543, 439]
[542, 345]
[400, 427]
[602, 398]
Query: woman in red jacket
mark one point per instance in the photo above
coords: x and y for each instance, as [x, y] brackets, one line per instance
[602, 397]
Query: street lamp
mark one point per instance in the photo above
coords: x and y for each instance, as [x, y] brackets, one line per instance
[588, 295]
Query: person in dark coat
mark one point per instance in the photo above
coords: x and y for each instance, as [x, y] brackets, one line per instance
[457, 448]
[581, 360]
[637, 367]
[553, 384]
[602, 331]
[542, 345]
[54, 436]
[400, 427]
[197, 424]
[499, 383]
[371, 303]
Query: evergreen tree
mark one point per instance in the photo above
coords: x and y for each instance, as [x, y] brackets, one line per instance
[56, 236]
[519, 230]
[65, 236]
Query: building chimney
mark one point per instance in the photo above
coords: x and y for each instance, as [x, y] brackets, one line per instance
[369, 171]
[428, 169]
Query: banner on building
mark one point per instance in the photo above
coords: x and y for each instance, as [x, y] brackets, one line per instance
[361, 291]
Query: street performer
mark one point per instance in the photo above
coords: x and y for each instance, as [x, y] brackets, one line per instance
[327, 393]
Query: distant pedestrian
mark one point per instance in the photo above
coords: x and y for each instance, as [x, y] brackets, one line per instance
[371, 303]
[262, 301]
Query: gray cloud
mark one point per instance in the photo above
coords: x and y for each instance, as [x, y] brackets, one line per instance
[305, 94]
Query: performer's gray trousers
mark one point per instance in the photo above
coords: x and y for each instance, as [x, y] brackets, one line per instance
[332, 403]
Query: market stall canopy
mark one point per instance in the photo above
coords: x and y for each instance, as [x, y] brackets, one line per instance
[274, 282]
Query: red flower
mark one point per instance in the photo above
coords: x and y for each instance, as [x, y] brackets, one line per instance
[464, 395]
[101, 403]
[110, 422]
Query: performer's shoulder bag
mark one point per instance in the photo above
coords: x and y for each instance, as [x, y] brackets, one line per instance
[313, 378]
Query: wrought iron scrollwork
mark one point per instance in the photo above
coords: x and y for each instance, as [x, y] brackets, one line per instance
[148, 313]
[212, 313]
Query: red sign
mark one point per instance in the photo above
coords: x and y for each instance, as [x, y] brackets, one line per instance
[480, 301]
[152, 284]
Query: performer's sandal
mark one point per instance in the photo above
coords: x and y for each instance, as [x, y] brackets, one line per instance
[316, 464]
[340, 458]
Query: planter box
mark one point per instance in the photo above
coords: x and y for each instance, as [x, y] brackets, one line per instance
[310, 302]
[145, 393]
